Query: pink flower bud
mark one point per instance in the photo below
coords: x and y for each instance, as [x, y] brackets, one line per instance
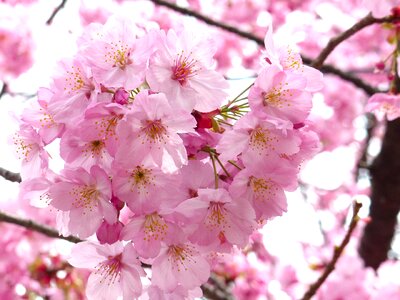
[121, 96]
[109, 233]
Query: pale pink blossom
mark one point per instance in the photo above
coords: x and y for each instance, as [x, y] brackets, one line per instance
[116, 270]
[217, 218]
[380, 8]
[287, 59]
[85, 197]
[183, 69]
[257, 139]
[151, 130]
[143, 186]
[115, 53]
[42, 119]
[281, 94]
[384, 105]
[29, 147]
[263, 184]
[16, 46]
[74, 90]
[179, 263]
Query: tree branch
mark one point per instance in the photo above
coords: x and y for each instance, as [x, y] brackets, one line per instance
[335, 41]
[31, 225]
[55, 12]
[336, 254]
[11, 176]
[3, 90]
[329, 69]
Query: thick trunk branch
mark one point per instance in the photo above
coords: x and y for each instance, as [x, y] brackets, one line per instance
[385, 199]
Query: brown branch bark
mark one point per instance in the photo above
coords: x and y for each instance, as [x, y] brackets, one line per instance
[56, 11]
[335, 41]
[31, 225]
[337, 252]
[385, 185]
[385, 200]
[329, 69]
[11, 176]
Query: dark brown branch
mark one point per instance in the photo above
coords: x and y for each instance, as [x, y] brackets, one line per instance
[11, 176]
[363, 160]
[385, 186]
[385, 201]
[3, 90]
[335, 41]
[55, 12]
[329, 69]
[31, 225]
[336, 254]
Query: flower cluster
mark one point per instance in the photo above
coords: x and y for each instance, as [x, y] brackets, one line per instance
[159, 164]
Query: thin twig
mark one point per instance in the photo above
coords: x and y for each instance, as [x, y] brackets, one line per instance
[55, 12]
[3, 90]
[31, 225]
[363, 160]
[329, 69]
[336, 254]
[335, 41]
[11, 176]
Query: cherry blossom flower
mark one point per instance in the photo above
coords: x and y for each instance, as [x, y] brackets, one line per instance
[151, 130]
[288, 60]
[280, 94]
[217, 218]
[115, 53]
[86, 198]
[384, 105]
[179, 263]
[29, 147]
[182, 68]
[256, 139]
[116, 270]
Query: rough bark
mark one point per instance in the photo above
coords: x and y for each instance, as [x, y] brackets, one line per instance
[385, 199]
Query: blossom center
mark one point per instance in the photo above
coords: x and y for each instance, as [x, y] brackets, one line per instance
[180, 254]
[276, 97]
[85, 197]
[95, 149]
[118, 54]
[261, 139]
[216, 217]
[261, 188]
[155, 131]
[155, 227]
[110, 269]
[74, 81]
[23, 149]
[291, 60]
[183, 68]
[141, 178]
